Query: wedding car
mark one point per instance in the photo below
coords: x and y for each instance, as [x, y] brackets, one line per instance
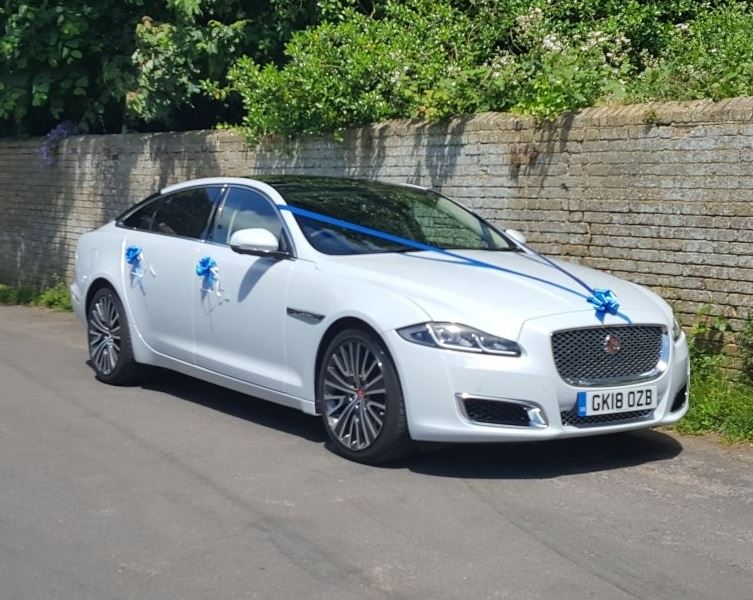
[393, 312]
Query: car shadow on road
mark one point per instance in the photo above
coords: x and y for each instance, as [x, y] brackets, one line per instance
[520, 460]
[255, 410]
[543, 460]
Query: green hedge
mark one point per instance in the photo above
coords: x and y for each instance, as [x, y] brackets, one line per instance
[57, 297]
[432, 59]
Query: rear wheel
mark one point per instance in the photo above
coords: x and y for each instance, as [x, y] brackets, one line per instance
[361, 399]
[109, 339]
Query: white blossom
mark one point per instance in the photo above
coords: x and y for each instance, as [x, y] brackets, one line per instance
[551, 43]
[530, 19]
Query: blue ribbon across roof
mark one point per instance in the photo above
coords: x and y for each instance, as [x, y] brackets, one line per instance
[604, 301]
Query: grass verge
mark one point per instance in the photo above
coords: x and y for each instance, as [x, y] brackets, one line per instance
[721, 401]
[57, 297]
[721, 404]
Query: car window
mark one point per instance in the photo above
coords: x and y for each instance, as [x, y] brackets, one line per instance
[184, 213]
[244, 209]
[141, 216]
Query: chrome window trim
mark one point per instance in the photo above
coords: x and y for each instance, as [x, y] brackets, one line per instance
[225, 187]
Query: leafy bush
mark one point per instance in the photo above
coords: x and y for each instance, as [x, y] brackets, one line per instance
[135, 63]
[721, 405]
[356, 70]
[56, 297]
[718, 403]
[706, 342]
[432, 59]
[65, 61]
[746, 347]
[300, 66]
[174, 59]
[16, 295]
[710, 57]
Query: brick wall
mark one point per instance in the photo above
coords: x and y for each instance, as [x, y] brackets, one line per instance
[661, 194]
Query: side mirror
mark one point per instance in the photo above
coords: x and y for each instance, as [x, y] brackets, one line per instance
[258, 242]
[516, 235]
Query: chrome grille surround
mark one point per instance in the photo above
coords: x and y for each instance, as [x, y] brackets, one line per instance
[584, 357]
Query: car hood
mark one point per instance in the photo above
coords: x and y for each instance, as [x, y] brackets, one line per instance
[499, 302]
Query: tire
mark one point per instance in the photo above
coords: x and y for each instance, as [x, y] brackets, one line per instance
[362, 408]
[109, 339]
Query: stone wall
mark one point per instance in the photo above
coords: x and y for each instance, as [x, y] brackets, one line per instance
[661, 194]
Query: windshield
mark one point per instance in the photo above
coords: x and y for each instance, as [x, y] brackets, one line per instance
[416, 215]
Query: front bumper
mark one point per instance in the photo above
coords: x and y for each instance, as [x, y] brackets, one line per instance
[435, 382]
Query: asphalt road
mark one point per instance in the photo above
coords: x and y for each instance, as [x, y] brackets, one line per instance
[180, 489]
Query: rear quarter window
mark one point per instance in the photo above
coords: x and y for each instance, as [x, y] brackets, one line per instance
[184, 213]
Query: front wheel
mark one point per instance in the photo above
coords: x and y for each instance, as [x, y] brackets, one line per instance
[109, 339]
[361, 399]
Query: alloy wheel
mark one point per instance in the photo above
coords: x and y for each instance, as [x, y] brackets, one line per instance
[355, 402]
[104, 334]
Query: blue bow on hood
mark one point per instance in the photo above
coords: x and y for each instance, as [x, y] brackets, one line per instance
[605, 302]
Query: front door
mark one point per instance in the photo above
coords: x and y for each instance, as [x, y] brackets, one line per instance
[240, 314]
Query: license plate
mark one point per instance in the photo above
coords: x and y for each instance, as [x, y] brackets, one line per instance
[608, 402]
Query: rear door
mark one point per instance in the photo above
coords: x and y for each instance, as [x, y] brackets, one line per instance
[168, 232]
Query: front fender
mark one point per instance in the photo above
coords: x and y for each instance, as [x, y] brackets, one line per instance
[334, 297]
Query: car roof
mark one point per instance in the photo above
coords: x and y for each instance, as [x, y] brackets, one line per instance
[282, 183]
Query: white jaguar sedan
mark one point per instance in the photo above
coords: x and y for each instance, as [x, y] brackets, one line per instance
[394, 313]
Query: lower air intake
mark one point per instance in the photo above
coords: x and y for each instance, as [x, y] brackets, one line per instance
[496, 412]
[571, 417]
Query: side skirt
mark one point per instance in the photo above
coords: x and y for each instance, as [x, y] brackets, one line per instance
[257, 391]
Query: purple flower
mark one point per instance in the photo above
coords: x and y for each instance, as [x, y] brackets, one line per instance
[46, 151]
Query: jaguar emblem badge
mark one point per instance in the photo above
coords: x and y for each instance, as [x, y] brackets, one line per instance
[612, 344]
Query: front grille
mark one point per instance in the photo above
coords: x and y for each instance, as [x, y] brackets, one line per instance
[571, 417]
[496, 412]
[581, 355]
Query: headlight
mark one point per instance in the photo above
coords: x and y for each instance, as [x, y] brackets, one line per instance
[452, 336]
[676, 329]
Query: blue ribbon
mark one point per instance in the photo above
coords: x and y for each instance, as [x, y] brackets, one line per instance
[604, 300]
[133, 255]
[207, 269]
